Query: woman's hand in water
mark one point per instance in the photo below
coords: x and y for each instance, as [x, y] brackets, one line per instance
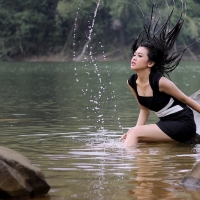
[123, 137]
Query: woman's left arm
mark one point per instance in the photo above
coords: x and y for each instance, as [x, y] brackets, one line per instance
[168, 87]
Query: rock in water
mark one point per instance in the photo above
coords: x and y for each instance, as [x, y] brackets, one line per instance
[196, 138]
[18, 177]
[192, 178]
[196, 97]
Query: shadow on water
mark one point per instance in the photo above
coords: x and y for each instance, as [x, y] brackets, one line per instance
[69, 126]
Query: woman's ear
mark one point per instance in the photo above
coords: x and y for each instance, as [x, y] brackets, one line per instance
[151, 64]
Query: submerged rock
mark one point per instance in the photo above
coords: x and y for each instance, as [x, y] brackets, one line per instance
[192, 178]
[196, 97]
[18, 177]
[196, 138]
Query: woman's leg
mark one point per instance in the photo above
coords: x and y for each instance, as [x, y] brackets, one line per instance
[145, 133]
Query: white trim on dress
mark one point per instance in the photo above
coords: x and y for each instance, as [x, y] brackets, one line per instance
[167, 111]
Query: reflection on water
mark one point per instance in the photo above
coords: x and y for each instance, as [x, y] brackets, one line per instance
[69, 123]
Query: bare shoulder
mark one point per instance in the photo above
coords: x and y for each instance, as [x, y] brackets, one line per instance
[164, 80]
[166, 84]
[168, 87]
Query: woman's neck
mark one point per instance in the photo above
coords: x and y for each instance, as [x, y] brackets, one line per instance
[143, 76]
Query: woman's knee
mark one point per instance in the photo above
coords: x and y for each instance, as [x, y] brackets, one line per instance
[132, 136]
[134, 132]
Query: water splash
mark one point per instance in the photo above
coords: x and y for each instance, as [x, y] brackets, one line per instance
[75, 27]
[95, 14]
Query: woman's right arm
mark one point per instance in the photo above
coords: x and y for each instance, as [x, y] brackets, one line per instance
[144, 112]
[143, 115]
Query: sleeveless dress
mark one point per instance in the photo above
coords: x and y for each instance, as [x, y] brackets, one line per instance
[176, 118]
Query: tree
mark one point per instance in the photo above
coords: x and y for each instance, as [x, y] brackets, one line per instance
[27, 26]
[80, 21]
[90, 27]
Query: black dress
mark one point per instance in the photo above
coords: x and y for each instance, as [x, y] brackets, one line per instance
[179, 125]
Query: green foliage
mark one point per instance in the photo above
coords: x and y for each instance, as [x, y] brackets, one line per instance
[35, 27]
[28, 26]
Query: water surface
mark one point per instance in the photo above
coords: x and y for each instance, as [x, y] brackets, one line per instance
[67, 118]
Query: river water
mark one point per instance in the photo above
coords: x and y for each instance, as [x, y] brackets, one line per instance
[67, 118]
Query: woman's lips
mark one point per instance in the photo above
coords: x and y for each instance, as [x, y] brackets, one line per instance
[132, 63]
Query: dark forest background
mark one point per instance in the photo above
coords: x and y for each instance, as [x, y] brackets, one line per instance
[66, 30]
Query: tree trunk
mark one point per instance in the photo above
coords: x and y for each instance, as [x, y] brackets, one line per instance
[78, 58]
[66, 43]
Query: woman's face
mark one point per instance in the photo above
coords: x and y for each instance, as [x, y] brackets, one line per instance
[140, 59]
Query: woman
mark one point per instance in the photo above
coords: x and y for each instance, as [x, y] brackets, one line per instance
[152, 59]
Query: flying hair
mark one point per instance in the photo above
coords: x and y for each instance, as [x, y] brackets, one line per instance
[160, 42]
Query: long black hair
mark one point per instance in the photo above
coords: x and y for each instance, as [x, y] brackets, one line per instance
[160, 42]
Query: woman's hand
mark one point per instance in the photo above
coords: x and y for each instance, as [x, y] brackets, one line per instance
[123, 137]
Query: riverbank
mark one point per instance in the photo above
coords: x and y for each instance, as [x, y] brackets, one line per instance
[116, 55]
